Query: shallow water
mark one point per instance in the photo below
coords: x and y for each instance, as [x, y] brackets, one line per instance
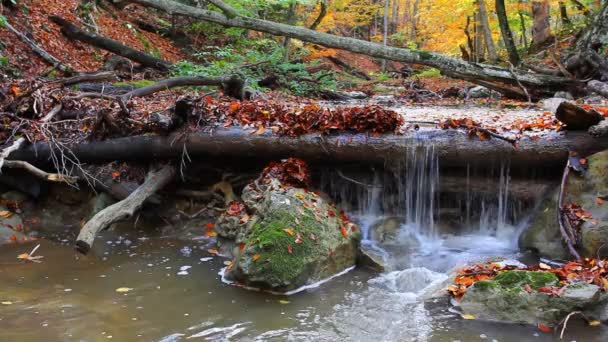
[72, 298]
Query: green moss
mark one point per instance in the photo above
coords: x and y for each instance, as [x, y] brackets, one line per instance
[137, 84]
[518, 278]
[486, 284]
[271, 242]
[424, 55]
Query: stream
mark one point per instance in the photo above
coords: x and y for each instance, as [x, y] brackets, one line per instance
[421, 220]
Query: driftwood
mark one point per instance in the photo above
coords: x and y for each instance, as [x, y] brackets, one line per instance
[577, 118]
[73, 32]
[155, 180]
[453, 148]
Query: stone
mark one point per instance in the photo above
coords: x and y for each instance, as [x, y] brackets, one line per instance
[479, 92]
[296, 239]
[551, 104]
[543, 233]
[10, 227]
[371, 258]
[564, 95]
[386, 229]
[505, 299]
[357, 95]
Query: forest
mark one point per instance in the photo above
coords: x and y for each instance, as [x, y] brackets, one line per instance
[304, 170]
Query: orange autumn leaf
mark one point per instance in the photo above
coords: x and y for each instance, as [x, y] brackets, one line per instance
[343, 231]
[255, 257]
[289, 231]
[209, 226]
[241, 246]
[210, 234]
[115, 174]
[544, 328]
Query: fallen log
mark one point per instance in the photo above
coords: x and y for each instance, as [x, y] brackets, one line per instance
[545, 84]
[73, 32]
[349, 68]
[155, 180]
[577, 118]
[47, 57]
[453, 148]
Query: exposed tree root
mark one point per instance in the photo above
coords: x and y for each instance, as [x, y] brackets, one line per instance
[564, 226]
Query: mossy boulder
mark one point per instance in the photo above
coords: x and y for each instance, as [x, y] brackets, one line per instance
[296, 238]
[512, 297]
[543, 234]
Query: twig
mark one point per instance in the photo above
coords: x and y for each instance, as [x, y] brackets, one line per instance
[567, 235]
[565, 322]
[339, 172]
[511, 68]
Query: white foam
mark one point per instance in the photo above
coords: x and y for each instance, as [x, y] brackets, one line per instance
[222, 273]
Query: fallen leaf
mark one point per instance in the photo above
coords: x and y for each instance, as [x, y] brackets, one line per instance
[261, 130]
[283, 301]
[228, 263]
[599, 201]
[343, 231]
[6, 302]
[210, 234]
[299, 239]
[255, 257]
[594, 323]
[209, 226]
[241, 246]
[244, 219]
[544, 266]
[123, 289]
[115, 174]
[467, 316]
[544, 328]
[289, 231]
[5, 214]
[289, 249]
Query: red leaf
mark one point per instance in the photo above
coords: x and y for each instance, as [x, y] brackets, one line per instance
[544, 328]
[209, 226]
[289, 249]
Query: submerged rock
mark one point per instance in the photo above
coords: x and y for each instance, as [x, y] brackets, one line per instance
[11, 226]
[513, 297]
[295, 239]
[543, 234]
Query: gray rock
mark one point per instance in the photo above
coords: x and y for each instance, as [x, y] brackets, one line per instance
[384, 99]
[543, 234]
[293, 241]
[551, 104]
[372, 258]
[479, 92]
[357, 95]
[505, 299]
[564, 95]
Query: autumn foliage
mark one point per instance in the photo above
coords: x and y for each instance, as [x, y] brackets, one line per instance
[592, 271]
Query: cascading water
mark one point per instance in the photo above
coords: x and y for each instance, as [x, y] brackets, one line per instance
[410, 220]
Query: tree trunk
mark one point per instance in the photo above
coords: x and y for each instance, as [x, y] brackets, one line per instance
[563, 12]
[385, 34]
[478, 39]
[487, 33]
[73, 32]
[541, 29]
[507, 34]
[322, 14]
[455, 67]
[454, 148]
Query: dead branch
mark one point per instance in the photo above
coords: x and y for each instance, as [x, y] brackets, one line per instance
[94, 77]
[19, 142]
[512, 69]
[51, 177]
[155, 180]
[567, 234]
[47, 57]
[228, 10]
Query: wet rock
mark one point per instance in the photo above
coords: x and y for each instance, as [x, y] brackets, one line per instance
[386, 229]
[357, 95]
[480, 92]
[372, 258]
[231, 227]
[551, 104]
[296, 240]
[543, 233]
[384, 99]
[564, 95]
[505, 299]
[15, 197]
[418, 280]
